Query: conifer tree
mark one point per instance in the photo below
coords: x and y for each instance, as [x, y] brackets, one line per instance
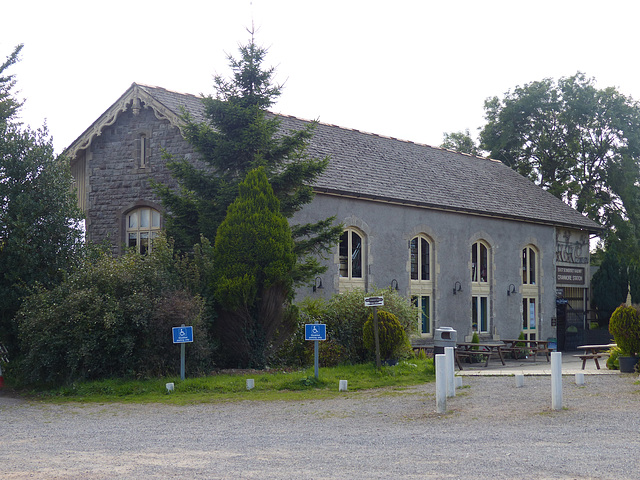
[253, 260]
[239, 135]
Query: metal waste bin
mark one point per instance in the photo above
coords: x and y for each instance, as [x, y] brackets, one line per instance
[444, 337]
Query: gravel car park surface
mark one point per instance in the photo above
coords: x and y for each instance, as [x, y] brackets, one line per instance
[491, 430]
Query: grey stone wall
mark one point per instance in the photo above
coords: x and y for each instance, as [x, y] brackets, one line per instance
[392, 226]
[117, 184]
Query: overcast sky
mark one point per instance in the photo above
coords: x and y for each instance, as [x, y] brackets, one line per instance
[405, 69]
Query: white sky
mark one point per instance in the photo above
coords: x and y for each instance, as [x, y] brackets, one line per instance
[406, 69]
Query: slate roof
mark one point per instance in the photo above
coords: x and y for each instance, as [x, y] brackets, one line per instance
[386, 169]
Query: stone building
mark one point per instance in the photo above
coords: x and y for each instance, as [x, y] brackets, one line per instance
[476, 246]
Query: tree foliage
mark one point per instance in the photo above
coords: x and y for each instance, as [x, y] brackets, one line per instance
[579, 142]
[253, 261]
[460, 142]
[239, 135]
[610, 284]
[39, 218]
[111, 317]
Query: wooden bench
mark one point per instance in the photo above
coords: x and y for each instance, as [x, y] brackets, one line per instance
[471, 354]
[589, 356]
[529, 347]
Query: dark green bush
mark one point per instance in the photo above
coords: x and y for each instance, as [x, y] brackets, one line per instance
[345, 316]
[111, 318]
[624, 325]
[391, 336]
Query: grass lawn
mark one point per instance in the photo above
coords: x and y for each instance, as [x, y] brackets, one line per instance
[269, 385]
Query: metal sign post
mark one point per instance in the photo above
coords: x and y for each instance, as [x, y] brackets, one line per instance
[182, 335]
[375, 302]
[315, 332]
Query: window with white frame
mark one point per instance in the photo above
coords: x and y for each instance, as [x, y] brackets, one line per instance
[480, 287]
[351, 254]
[480, 313]
[530, 292]
[529, 270]
[421, 282]
[479, 262]
[143, 225]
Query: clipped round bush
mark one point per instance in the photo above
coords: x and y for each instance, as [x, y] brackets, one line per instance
[391, 335]
[624, 325]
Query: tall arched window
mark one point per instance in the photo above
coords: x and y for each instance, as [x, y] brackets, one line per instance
[529, 270]
[143, 224]
[421, 284]
[480, 287]
[351, 253]
[530, 292]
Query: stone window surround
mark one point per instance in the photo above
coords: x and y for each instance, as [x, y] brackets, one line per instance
[122, 220]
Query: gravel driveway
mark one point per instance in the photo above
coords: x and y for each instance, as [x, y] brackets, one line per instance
[491, 430]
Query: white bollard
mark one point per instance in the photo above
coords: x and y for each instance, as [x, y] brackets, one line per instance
[170, 387]
[250, 383]
[579, 378]
[450, 372]
[519, 380]
[458, 382]
[342, 386]
[556, 380]
[441, 384]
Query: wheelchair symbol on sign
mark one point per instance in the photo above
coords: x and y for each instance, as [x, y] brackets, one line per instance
[314, 330]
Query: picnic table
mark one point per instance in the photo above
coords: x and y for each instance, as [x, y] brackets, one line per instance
[472, 350]
[528, 347]
[593, 352]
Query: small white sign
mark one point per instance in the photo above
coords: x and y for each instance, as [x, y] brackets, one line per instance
[373, 301]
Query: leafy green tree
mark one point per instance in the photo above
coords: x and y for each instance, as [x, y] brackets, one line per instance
[39, 217]
[253, 260]
[610, 284]
[238, 136]
[579, 142]
[460, 142]
[111, 317]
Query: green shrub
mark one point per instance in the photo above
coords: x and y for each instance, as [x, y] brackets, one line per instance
[111, 318]
[624, 325]
[345, 316]
[391, 336]
[331, 353]
[612, 361]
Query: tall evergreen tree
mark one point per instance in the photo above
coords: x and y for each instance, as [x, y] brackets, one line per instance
[239, 134]
[39, 216]
[253, 260]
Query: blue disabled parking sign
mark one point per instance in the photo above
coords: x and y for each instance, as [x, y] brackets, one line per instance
[315, 331]
[182, 334]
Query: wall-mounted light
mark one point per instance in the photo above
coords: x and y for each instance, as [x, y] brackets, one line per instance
[511, 289]
[317, 283]
[457, 287]
[394, 284]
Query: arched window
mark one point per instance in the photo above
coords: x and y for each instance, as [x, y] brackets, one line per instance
[352, 260]
[421, 284]
[529, 270]
[420, 266]
[530, 292]
[350, 254]
[479, 263]
[143, 224]
[480, 287]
